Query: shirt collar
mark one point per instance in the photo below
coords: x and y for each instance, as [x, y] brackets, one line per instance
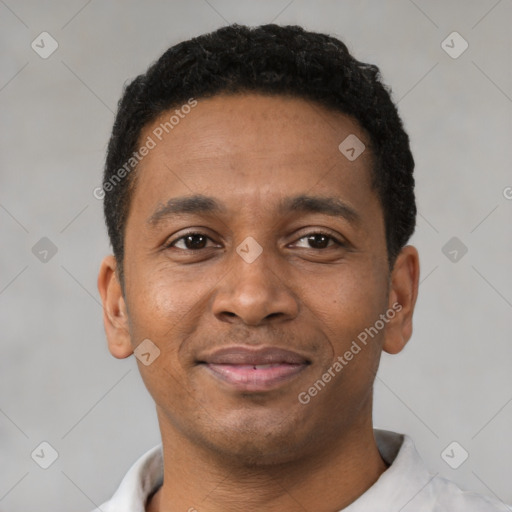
[142, 479]
[398, 450]
[405, 478]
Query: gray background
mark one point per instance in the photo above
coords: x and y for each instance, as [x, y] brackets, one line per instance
[58, 382]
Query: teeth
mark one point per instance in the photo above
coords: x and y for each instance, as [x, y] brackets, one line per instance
[261, 366]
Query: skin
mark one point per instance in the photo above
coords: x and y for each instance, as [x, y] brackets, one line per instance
[225, 450]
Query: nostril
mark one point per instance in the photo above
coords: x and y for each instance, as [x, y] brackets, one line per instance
[227, 315]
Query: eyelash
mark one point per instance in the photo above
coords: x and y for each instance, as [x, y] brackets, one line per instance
[336, 241]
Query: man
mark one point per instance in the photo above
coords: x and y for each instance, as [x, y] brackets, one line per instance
[259, 196]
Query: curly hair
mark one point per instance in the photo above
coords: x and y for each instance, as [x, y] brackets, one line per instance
[271, 59]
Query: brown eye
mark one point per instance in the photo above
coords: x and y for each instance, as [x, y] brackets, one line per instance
[191, 241]
[320, 241]
[195, 241]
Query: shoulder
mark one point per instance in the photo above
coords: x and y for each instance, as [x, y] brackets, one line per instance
[142, 479]
[446, 495]
[408, 485]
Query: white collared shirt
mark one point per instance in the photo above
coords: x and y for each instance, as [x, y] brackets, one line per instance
[406, 486]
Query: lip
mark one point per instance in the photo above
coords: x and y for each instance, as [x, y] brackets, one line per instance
[254, 370]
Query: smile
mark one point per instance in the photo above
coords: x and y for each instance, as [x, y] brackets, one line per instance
[254, 370]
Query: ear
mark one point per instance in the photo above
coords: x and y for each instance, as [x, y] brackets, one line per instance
[402, 299]
[115, 317]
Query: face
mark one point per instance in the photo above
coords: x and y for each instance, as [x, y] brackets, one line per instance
[255, 256]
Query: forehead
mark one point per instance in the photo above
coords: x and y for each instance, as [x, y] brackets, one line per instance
[247, 147]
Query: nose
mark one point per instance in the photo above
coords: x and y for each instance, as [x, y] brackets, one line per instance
[255, 293]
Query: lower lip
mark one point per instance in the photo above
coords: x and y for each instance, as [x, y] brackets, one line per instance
[247, 378]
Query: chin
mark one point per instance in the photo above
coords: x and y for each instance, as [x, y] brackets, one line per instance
[257, 451]
[249, 441]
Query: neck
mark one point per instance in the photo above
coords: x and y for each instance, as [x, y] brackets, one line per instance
[331, 479]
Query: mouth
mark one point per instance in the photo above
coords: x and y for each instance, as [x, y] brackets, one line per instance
[254, 370]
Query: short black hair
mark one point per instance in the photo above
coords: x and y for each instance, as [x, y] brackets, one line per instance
[269, 59]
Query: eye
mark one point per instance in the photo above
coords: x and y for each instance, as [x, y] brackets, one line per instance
[320, 240]
[195, 241]
[190, 242]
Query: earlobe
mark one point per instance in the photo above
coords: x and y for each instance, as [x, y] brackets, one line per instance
[115, 316]
[402, 299]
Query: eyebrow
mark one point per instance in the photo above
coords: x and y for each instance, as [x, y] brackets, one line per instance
[197, 204]
[332, 206]
[205, 205]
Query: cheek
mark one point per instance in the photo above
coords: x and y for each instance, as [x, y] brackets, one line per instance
[158, 308]
[153, 308]
[161, 312]
[351, 305]
[167, 307]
